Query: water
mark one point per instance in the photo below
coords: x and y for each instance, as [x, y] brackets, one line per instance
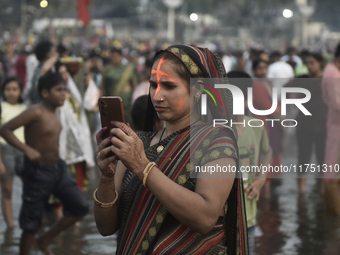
[288, 223]
[294, 224]
[82, 240]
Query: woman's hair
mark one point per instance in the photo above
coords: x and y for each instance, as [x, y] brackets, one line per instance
[318, 57]
[116, 50]
[61, 49]
[9, 80]
[242, 80]
[304, 53]
[42, 49]
[138, 112]
[258, 61]
[178, 66]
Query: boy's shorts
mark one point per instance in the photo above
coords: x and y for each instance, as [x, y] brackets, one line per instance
[39, 182]
[12, 159]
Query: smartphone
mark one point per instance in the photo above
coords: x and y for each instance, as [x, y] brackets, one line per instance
[111, 108]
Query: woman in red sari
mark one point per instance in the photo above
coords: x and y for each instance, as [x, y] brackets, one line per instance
[146, 191]
[263, 100]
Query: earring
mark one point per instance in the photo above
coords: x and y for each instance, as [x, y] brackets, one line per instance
[197, 97]
[161, 99]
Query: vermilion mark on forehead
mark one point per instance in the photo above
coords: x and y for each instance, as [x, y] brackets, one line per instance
[159, 73]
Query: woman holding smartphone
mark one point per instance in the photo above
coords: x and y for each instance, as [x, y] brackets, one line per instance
[145, 189]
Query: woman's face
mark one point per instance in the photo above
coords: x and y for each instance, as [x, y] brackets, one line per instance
[261, 70]
[169, 93]
[314, 67]
[116, 58]
[12, 92]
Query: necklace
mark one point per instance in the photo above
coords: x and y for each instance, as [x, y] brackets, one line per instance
[161, 147]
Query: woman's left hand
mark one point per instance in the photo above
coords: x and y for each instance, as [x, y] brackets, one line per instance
[127, 146]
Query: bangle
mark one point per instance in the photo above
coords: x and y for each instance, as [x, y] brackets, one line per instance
[101, 204]
[147, 171]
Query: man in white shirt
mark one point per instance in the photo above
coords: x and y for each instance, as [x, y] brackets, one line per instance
[227, 62]
[253, 54]
[31, 64]
[279, 72]
[292, 58]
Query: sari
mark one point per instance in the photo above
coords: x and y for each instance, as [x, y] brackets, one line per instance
[146, 226]
[262, 97]
[331, 97]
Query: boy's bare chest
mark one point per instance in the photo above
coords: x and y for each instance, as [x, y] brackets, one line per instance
[49, 125]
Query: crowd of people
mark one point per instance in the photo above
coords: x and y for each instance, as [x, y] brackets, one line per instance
[51, 137]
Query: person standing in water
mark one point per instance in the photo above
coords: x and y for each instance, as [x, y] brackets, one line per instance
[44, 172]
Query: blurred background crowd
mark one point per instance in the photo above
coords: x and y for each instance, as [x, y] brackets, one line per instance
[107, 48]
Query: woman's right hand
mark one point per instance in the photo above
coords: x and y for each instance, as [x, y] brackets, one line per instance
[106, 163]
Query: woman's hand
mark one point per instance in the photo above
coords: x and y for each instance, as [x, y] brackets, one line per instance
[106, 163]
[128, 148]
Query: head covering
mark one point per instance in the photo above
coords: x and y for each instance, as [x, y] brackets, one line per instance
[201, 63]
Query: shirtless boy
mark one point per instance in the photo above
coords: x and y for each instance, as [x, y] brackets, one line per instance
[44, 172]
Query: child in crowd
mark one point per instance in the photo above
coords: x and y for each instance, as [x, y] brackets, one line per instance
[252, 142]
[44, 172]
[11, 158]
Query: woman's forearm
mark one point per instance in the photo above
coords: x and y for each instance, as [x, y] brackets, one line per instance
[186, 206]
[106, 218]
[197, 211]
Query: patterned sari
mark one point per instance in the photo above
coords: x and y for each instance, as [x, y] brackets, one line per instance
[148, 228]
